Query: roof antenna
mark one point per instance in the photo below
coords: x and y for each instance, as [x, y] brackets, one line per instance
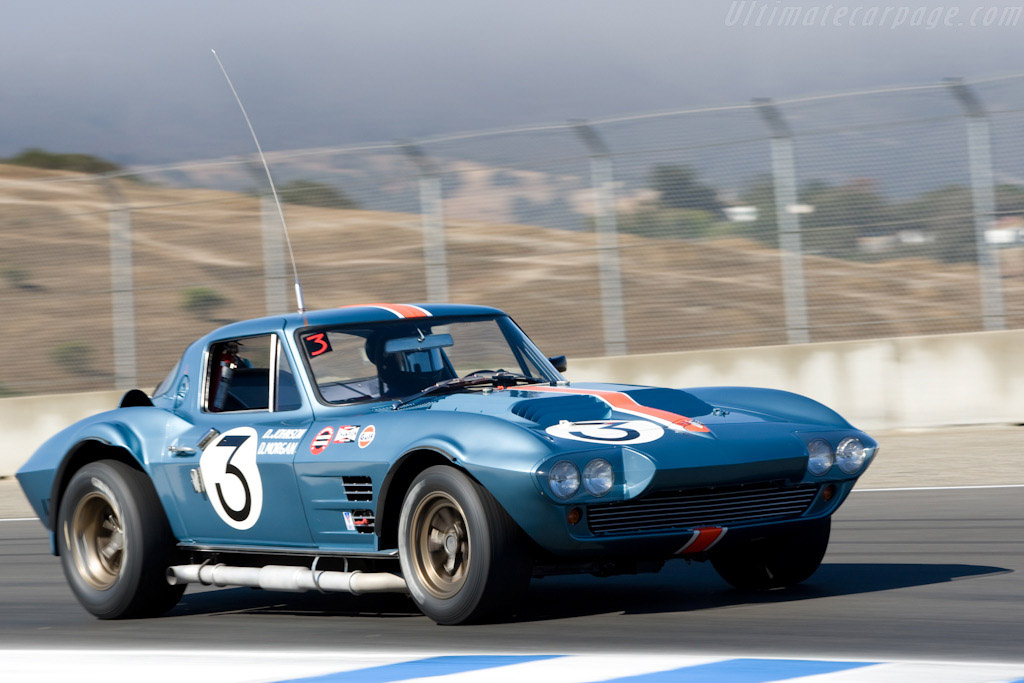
[266, 167]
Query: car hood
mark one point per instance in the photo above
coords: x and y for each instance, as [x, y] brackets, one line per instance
[680, 431]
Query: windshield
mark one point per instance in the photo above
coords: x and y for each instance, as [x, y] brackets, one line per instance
[394, 360]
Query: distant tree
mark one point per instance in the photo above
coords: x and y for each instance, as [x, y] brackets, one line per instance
[311, 193]
[841, 215]
[1010, 199]
[947, 216]
[79, 163]
[679, 188]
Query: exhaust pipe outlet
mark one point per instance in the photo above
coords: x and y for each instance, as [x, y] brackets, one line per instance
[289, 579]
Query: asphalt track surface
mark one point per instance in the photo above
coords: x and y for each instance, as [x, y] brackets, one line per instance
[926, 574]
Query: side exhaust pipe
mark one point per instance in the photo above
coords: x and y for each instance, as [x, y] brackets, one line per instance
[290, 579]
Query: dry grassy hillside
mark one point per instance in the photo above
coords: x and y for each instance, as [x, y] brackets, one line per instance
[55, 289]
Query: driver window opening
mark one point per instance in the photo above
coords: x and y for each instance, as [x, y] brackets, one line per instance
[239, 376]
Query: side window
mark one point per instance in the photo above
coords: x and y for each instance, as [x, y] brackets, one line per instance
[239, 373]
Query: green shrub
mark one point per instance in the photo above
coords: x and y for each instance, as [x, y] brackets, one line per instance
[201, 301]
[80, 163]
[15, 276]
[73, 356]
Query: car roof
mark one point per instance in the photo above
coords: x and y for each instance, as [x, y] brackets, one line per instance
[346, 315]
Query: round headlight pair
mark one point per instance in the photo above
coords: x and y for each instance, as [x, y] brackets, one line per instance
[564, 478]
[850, 456]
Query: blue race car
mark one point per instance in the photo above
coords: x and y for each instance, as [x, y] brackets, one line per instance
[431, 450]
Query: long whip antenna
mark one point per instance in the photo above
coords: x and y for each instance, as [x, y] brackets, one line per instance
[270, 179]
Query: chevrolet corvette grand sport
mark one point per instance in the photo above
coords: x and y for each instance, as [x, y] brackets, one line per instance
[429, 450]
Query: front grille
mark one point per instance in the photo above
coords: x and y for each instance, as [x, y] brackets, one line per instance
[690, 508]
[358, 488]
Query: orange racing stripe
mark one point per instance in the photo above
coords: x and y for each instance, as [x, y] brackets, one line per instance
[400, 310]
[625, 403]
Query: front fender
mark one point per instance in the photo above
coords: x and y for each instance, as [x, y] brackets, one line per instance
[772, 403]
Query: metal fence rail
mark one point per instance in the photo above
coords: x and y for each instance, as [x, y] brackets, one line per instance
[893, 212]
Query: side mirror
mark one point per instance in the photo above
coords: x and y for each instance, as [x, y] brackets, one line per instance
[559, 362]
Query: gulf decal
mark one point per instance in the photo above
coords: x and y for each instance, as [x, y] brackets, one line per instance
[398, 310]
[366, 436]
[704, 538]
[624, 403]
[321, 440]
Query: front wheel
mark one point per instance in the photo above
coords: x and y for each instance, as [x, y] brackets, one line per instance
[779, 561]
[115, 543]
[464, 559]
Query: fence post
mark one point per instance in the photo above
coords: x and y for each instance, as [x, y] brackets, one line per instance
[432, 217]
[122, 287]
[276, 283]
[607, 228]
[794, 293]
[979, 151]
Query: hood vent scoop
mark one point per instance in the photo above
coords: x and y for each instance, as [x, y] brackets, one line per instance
[548, 411]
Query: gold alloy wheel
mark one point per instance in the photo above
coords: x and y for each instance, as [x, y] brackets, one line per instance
[439, 538]
[96, 539]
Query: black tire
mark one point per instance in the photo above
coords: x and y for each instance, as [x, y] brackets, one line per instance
[115, 543]
[464, 559]
[777, 562]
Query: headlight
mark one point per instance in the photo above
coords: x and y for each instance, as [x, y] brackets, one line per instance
[850, 455]
[564, 479]
[819, 459]
[598, 477]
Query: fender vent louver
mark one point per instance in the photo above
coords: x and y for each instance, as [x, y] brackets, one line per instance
[364, 521]
[358, 488]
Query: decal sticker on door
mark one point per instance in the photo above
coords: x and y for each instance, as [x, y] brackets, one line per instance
[232, 478]
[608, 431]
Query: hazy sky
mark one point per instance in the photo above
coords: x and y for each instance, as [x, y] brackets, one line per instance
[134, 80]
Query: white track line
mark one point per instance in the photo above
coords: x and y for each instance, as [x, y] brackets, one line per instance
[942, 488]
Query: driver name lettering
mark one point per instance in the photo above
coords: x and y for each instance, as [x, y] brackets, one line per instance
[277, 448]
[284, 434]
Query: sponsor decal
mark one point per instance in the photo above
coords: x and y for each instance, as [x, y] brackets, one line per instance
[349, 523]
[608, 431]
[366, 437]
[321, 441]
[346, 434]
[317, 344]
[232, 478]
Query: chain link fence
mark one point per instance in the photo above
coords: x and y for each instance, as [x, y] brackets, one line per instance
[856, 215]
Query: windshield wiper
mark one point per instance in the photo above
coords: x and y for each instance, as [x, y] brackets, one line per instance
[498, 378]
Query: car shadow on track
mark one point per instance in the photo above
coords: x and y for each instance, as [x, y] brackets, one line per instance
[677, 588]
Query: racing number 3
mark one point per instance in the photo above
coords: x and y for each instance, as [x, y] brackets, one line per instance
[239, 515]
[232, 477]
[317, 344]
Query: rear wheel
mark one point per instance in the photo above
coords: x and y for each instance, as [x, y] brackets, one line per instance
[115, 542]
[464, 559]
[776, 562]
